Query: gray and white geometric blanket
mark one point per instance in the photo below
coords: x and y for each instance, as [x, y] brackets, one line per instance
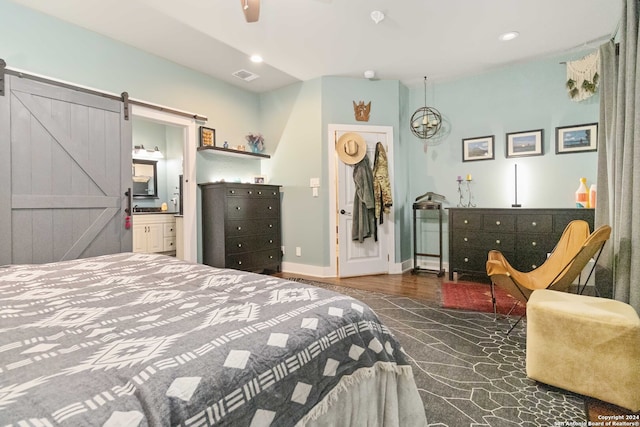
[144, 339]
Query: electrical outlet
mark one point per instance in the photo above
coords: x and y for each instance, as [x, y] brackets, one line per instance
[298, 251]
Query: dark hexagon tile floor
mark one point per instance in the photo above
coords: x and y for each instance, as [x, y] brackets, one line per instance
[468, 371]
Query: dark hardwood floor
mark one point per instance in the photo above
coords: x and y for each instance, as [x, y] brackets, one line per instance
[422, 286]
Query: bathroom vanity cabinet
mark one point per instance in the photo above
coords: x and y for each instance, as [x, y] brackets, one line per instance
[154, 232]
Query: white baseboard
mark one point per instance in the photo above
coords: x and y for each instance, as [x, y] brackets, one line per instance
[307, 270]
[401, 267]
[432, 264]
[319, 271]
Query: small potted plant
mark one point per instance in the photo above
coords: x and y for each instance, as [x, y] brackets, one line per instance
[256, 142]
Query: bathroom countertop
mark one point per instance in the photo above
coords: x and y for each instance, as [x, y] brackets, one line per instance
[157, 213]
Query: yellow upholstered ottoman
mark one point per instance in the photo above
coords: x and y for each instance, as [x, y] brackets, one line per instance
[583, 344]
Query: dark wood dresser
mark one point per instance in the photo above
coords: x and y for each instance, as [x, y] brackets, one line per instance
[241, 226]
[524, 236]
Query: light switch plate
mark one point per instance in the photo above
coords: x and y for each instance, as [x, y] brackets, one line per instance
[314, 182]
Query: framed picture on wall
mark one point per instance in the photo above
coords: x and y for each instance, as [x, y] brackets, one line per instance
[577, 138]
[207, 137]
[527, 143]
[479, 148]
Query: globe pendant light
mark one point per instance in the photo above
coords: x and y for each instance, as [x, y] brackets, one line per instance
[426, 121]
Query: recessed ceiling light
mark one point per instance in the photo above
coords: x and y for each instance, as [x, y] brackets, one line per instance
[256, 58]
[509, 36]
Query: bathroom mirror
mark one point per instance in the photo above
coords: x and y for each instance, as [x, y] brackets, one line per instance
[145, 179]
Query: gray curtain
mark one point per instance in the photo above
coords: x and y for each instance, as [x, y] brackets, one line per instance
[618, 179]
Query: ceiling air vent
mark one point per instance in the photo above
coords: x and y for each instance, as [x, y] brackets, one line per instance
[245, 75]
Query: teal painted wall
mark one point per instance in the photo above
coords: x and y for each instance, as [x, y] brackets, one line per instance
[151, 135]
[294, 122]
[296, 118]
[404, 197]
[338, 94]
[169, 141]
[40, 44]
[515, 98]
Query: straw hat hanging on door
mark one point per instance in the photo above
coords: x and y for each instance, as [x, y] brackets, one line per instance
[351, 148]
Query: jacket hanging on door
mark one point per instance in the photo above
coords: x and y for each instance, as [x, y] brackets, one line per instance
[364, 217]
[381, 184]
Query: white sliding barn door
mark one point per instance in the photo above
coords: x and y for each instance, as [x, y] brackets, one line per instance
[66, 166]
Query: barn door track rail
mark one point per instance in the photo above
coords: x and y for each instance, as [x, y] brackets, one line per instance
[123, 97]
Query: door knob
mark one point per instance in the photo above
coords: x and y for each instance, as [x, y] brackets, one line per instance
[343, 212]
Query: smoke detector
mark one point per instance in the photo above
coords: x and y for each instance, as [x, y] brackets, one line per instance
[377, 16]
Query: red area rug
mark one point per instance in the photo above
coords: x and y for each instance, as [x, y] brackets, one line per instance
[477, 297]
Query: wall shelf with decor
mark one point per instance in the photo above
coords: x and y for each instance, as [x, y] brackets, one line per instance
[231, 152]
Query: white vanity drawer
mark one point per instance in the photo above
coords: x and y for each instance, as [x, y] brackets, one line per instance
[170, 243]
[170, 229]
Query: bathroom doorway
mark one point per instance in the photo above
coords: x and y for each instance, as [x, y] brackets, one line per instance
[186, 128]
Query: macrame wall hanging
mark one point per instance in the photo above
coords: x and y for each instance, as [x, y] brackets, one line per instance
[583, 76]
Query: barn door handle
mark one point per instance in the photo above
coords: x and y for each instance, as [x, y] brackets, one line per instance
[127, 193]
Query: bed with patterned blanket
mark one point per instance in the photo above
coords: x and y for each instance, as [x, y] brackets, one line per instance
[144, 339]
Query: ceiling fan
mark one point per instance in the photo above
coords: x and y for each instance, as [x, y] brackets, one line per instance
[251, 9]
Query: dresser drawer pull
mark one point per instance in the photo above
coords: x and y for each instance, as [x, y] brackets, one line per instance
[270, 240]
[466, 239]
[270, 225]
[239, 228]
[239, 245]
[237, 208]
[533, 224]
[239, 262]
[497, 241]
[232, 191]
[259, 193]
[466, 221]
[534, 244]
[270, 208]
[270, 256]
[274, 193]
[497, 222]
[466, 260]
[250, 192]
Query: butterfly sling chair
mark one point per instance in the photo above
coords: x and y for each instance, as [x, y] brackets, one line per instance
[573, 251]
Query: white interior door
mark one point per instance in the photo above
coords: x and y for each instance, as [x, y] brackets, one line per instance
[370, 256]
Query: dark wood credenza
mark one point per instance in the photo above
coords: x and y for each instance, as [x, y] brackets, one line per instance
[524, 236]
[241, 226]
